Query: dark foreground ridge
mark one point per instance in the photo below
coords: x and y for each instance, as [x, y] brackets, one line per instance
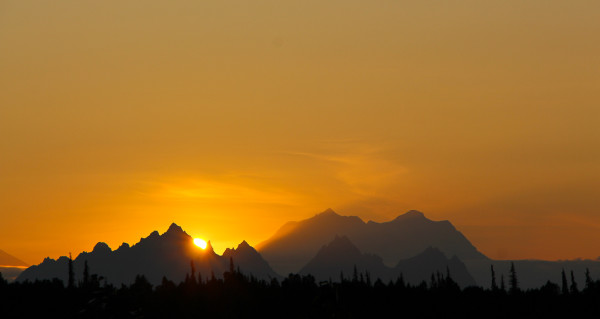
[235, 295]
[154, 257]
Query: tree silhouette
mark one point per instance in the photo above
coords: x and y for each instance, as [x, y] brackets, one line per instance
[588, 279]
[86, 274]
[514, 282]
[297, 296]
[71, 273]
[565, 286]
[193, 269]
[502, 286]
[494, 286]
[574, 289]
[3, 282]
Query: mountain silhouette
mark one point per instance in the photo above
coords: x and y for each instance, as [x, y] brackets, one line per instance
[420, 268]
[168, 255]
[341, 256]
[10, 266]
[8, 260]
[294, 244]
[250, 261]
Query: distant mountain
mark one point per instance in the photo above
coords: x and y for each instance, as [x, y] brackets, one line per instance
[341, 256]
[9, 260]
[420, 268]
[10, 266]
[249, 261]
[294, 244]
[169, 255]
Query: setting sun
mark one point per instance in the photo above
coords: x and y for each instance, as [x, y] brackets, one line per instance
[200, 243]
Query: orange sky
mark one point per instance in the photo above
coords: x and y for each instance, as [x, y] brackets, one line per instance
[233, 117]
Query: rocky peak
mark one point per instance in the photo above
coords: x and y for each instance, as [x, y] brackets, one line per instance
[101, 247]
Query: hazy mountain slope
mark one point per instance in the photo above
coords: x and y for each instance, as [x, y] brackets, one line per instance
[8, 260]
[404, 237]
[420, 268]
[10, 266]
[294, 244]
[342, 256]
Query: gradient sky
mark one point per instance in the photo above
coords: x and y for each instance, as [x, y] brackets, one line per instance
[231, 117]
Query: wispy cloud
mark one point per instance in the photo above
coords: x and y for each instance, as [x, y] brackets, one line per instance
[215, 190]
[366, 170]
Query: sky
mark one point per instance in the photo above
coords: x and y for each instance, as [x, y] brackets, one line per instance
[232, 117]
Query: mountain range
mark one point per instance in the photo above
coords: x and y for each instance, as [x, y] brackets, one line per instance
[294, 244]
[341, 257]
[326, 246]
[168, 255]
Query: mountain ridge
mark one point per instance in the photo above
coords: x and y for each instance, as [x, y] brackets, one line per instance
[155, 256]
[341, 257]
[400, 238]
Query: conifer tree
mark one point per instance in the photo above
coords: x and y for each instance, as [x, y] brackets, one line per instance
[514, 282]
[588, 279]
[494, 286]
[3, 282]
[193, 269]
[565, 285]
[71, 283]
[86, 273]
[502, 286]
[400, 281]
[574, 289]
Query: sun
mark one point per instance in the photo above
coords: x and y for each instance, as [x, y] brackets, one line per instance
[200, 243]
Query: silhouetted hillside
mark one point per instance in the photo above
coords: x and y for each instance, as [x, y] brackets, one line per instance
[250, 261]
[341, 257]
[532, 273]
[432, 261]
[296, 296]
[168, 255]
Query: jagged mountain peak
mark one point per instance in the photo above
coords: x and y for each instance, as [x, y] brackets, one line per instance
[209, 248]
[153, 234]
[243, 245]
[156, 256]
[328, 211]
[411, 215]
[174, 228]
[341, 242]
[340, 245]
[101, 247]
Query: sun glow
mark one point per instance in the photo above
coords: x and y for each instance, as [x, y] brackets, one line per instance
[200, 243]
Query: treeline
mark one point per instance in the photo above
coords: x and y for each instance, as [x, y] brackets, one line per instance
[236, 295]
